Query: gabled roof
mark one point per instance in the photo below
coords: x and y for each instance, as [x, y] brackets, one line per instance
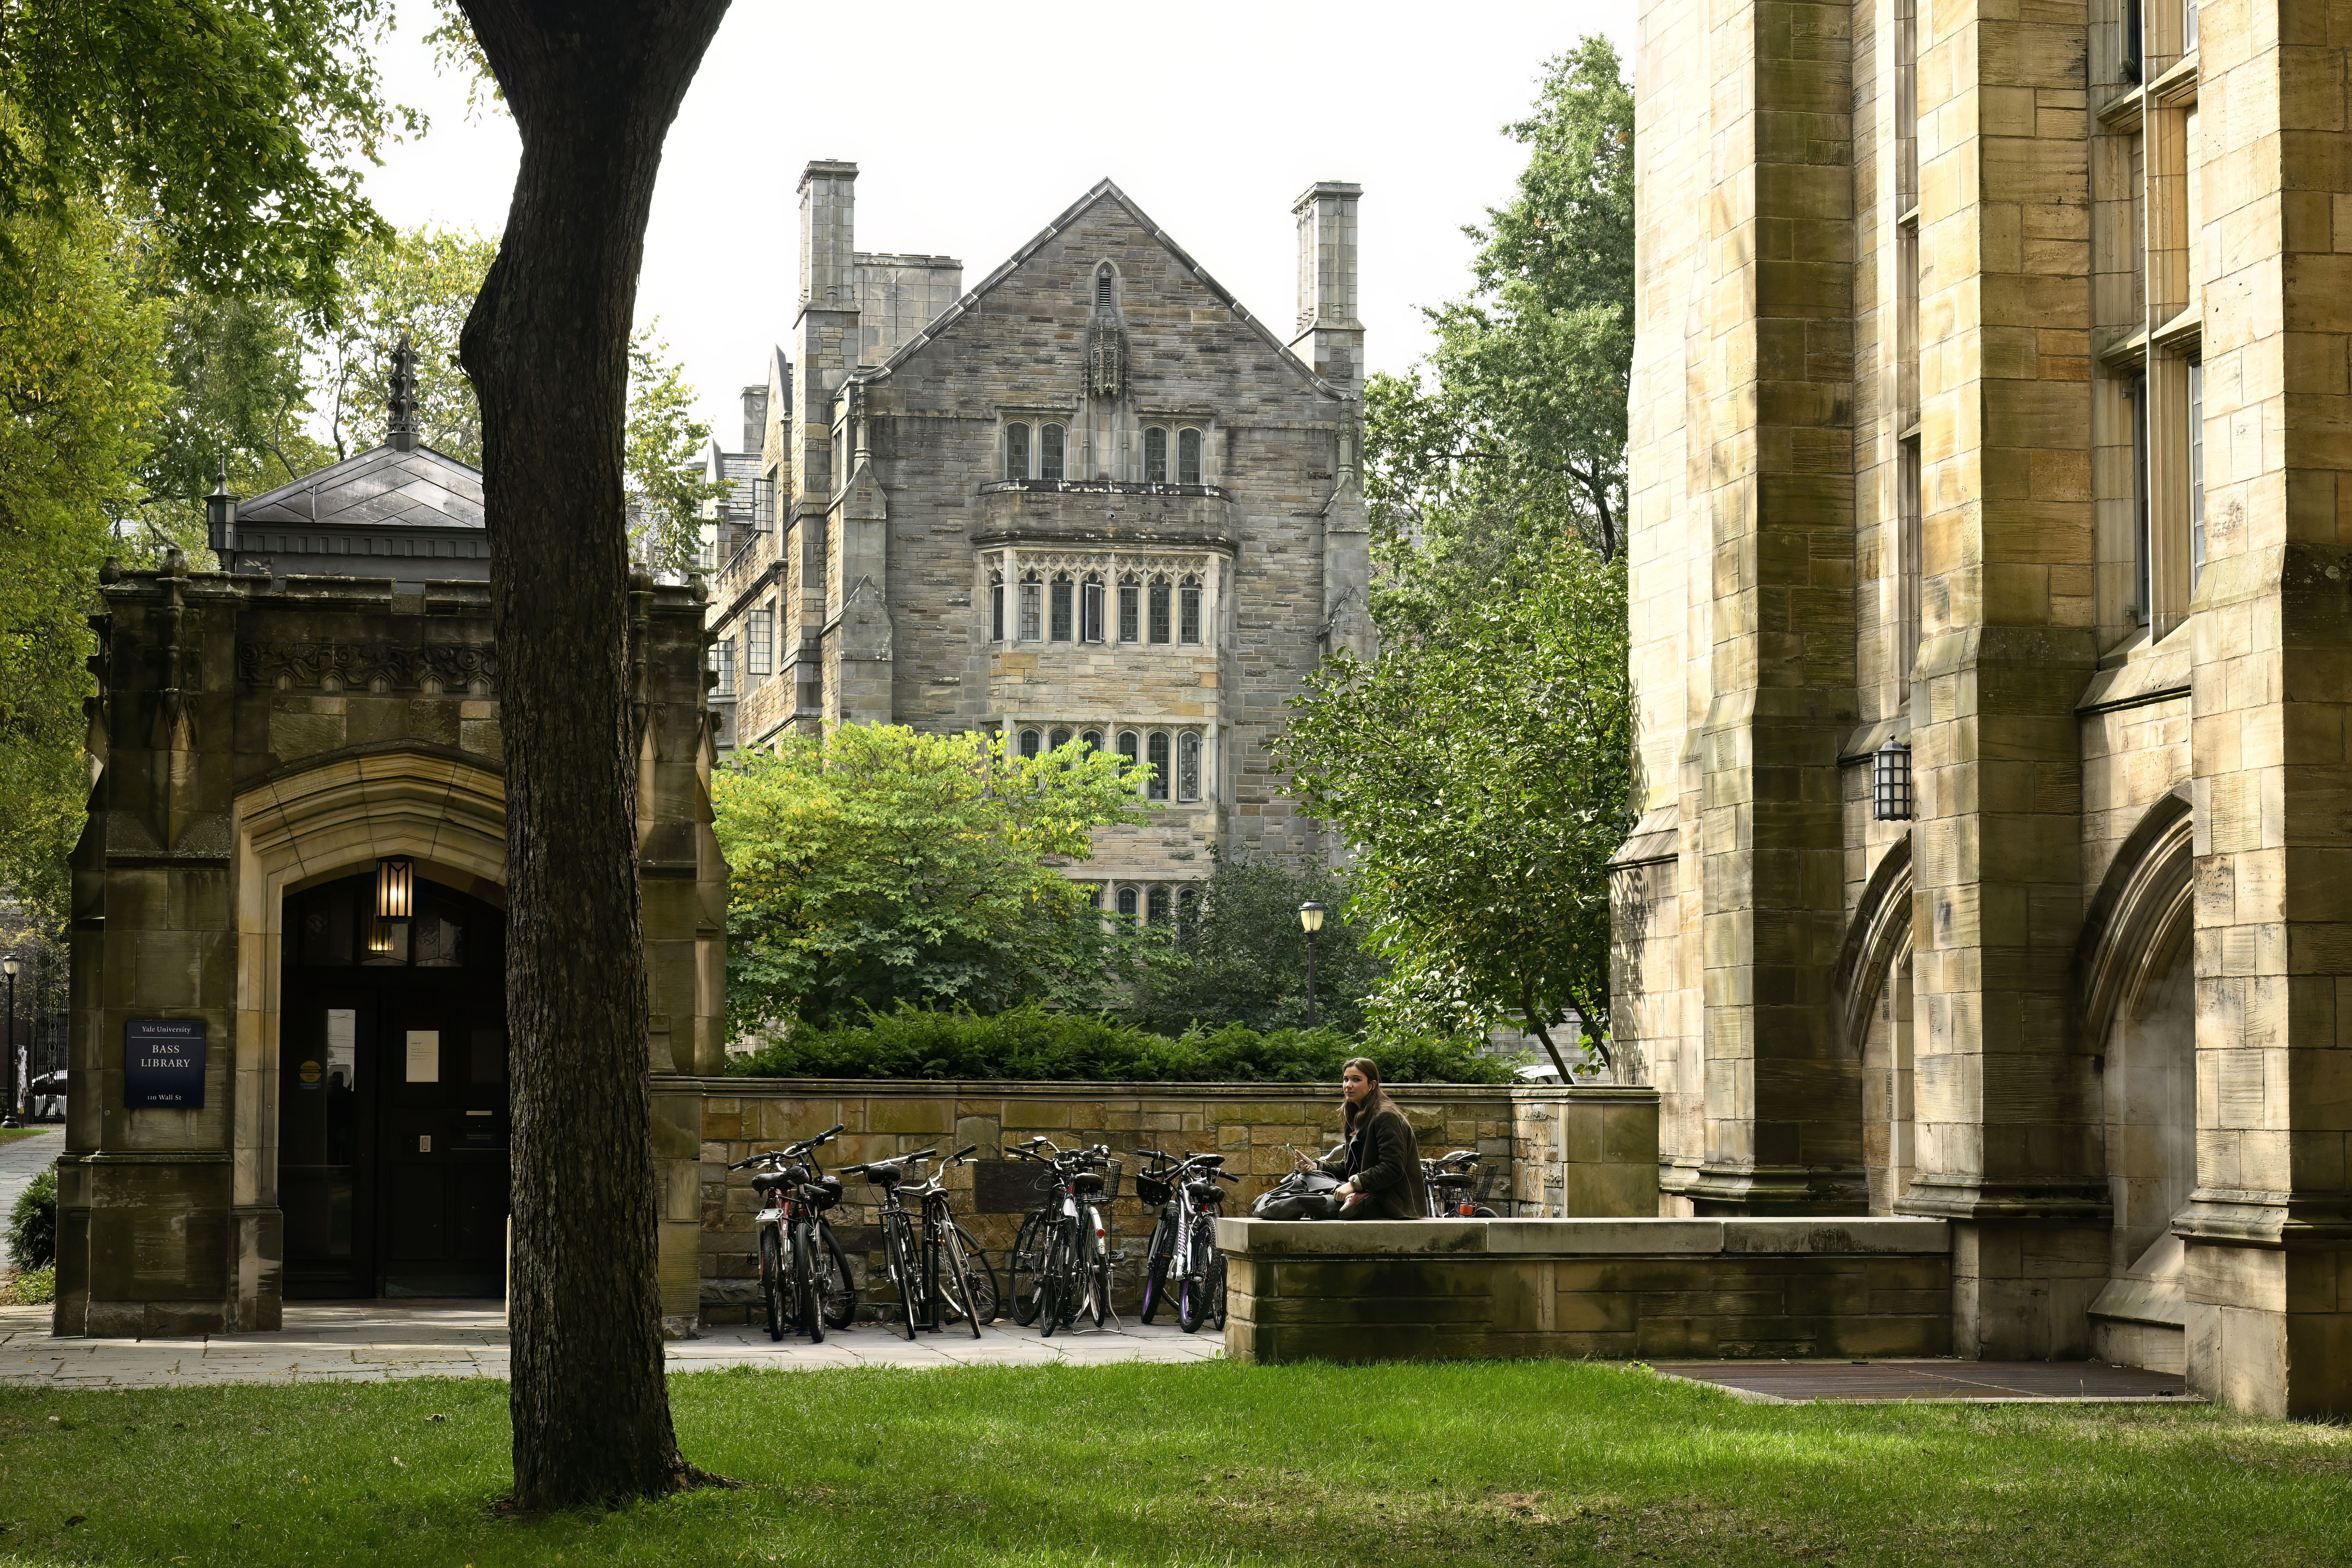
[383, 488]
[1103, 190]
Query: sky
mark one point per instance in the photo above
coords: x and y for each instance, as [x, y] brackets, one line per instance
[973, 127]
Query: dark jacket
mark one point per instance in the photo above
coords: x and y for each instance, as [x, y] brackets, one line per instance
[1383, 1158]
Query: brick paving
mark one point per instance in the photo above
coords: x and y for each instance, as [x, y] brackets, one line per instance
[375, 1341]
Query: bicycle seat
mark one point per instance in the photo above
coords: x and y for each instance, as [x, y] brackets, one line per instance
[886, 1175]
[1207, 1192]
[765, 1182]
[1087, 1181]
[1208, 1159]
[825, 1191]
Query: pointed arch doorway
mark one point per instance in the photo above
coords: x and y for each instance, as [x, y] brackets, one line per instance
[392, 1094]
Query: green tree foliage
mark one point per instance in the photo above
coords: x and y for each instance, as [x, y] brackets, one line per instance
[236, 407]
[418, 284]
[1482, 762]
[1240, 956]
[80, 341]
[663, 459]
[1029, 1042]
[878, 864]
[244, 124]
[33, 1223]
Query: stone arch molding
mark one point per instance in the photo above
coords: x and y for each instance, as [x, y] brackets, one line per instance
[2143, 896]
[1879, 939]
[324, 819]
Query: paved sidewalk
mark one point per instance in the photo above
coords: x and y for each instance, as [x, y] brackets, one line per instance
[22, 1159]
[373, 1342]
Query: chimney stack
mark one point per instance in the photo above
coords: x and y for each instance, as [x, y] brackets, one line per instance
[828, 226]
[1330, 337]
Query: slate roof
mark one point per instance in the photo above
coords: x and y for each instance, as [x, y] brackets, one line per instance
[384, 488]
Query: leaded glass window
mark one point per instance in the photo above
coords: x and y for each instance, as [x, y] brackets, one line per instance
[1157, 755]
[1090, 610]
[1030, 742]
[1062, 609]
[1188, 607]
[1159, 609]
[1032, 609]
[1155, 456]
[1188, 766]
[1188, 457]
[1053, 440]
[1016, 451]
[1130, 610]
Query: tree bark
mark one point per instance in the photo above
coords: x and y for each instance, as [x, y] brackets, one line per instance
[594, 85]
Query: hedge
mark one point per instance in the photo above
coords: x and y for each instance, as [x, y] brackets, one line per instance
[1030, 1043]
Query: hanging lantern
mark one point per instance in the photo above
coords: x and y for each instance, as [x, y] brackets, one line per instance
[395, 888]
[1890, 782]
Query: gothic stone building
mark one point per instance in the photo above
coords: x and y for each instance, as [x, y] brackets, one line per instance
[1989, 402]
[1092, 498]
[288, 1047]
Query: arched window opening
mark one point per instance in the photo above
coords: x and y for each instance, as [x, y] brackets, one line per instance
[1030, 741]
[1033, 608]
[1095, 894]
[1188, 910]
[996, 607]
[1188, 457]
[1159, 609]
[1102, 287]
[1063, 615]
[1130, 610]
[1188, 766]
[1090, 610]
[1052, 442]
[1155, 456]
[1157, 754]
[1058, 739]
[1127, 901]
[1016, 451]
[1130, 747]
[1093, 738]
[1158, 907]
[1188, 611]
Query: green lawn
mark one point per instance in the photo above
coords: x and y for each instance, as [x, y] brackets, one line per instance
[12, 1134]
[1206, 1464]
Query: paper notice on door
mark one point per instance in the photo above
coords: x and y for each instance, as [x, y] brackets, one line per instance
[423, 1055]
[342, 1048]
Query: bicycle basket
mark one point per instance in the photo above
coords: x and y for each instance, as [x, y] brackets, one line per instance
[1152, 1192]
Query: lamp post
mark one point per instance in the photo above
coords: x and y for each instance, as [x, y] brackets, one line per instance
[9, 966]
[1310, 919]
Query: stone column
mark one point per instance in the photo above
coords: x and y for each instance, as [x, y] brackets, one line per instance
[2269, 1230]
[2007, 1135]
[1777, 494]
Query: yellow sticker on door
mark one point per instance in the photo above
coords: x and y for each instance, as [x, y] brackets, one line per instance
[425, 1055]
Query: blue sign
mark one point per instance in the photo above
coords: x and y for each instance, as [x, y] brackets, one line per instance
[163, 1064]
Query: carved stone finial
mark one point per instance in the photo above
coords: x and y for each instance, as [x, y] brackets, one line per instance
[111, 570]
[400, 431]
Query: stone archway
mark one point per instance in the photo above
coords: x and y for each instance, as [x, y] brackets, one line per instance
[2136, 978]
[291, 830]
[1874, 976]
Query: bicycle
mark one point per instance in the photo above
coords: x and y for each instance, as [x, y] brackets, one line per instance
[1062, 1259]
[1201, 1292]
[901, 1258]
[1160, 1186]
[1446, 1181]
[805, 1278]
[955, 1270]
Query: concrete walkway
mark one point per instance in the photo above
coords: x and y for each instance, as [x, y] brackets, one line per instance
[371, 1341]
[22, 1159]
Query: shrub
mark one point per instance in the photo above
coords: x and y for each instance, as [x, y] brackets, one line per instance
[33, 1223]
[1028, 1042]
[30, 1288]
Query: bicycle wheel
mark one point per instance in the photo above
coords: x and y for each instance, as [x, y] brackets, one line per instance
[954, 1281]
[1097, 1278]
[979, 1278]
[805, 1313]
[1200, 1258]
[1161, 1252]
[772, 1284]
[1217, 1294]
[907, 1268]
[1026, 1265]
[835, 1289]
[1057, 1278]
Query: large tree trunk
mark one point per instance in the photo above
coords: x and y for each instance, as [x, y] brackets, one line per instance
[592, 87]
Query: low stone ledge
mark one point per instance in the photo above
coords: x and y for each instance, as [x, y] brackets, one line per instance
[1439, 1289]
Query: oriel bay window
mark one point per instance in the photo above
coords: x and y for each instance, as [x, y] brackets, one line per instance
[996, 607]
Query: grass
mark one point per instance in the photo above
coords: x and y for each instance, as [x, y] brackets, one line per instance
[1463, 1464]
[29, 1287]
[15, 1135]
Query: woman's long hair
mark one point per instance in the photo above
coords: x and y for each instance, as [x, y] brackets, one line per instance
[1374, 1101]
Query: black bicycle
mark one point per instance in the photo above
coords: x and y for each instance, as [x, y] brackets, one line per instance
[805, 1278]
[1448, 1180]
[902, 1260]
[1200, 1289]
[1160, 1186]
[1062, 1258]
[956, 1273]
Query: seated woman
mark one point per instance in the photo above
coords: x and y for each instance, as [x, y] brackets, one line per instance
[1380, 1160]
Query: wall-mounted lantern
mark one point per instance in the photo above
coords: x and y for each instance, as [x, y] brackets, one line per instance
[1890, 782]
[395, 902]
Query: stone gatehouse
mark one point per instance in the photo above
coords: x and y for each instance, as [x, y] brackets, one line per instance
[289, 1050]
[1990, 553]
[1092, 498]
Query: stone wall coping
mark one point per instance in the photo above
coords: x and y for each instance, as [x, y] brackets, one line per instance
[1063, 1089]
[1583, 1238]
